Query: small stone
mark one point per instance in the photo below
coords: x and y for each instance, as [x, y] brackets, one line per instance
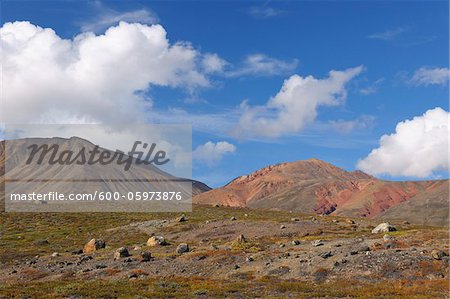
[55, 254]
[313, 219]
[182, 248]
[326, 255]
[245, 215]
[295, 219]
[233, 218]
[388, 245]
[241, 239]
[282, 245]
[383, 228]
[100, 266]
[295, 242]
[182, 218]
[146, 256]
[438, 254]
[387, 238]
[316, 243]
[236, 267]
[335, 221]
[364, 249]
[121, 252]
[249, 259]
[350, 221]
[41, 242]
[282, 227]
[77, 251]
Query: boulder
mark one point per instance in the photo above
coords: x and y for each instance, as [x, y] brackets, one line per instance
[146, 256]
[182, 248]
[121, 252]
[156, 241]
[383, 228]
[93, 245]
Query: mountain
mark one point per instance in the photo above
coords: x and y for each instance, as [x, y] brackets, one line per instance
[322, 188]
[83, 178]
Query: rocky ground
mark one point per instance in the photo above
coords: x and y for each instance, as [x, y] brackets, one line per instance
[219, 252]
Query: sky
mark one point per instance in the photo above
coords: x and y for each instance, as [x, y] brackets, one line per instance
[359, 84]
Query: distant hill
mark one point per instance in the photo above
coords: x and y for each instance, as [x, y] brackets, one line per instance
[320, 187]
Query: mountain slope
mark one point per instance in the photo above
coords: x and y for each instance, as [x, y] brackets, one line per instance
[96, 177]
[316, 186]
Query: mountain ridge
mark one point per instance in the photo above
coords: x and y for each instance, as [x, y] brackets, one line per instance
[316, 186]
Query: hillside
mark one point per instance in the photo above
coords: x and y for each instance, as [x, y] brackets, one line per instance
[315, 186]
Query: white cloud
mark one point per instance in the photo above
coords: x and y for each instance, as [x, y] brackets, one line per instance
[295, 105]
[347, 126]
[264, 12]
[430, 76]
[387, 35]
[91, 78]
[372, 88]
[416, 149]
[263, 65]
[212, 63]
[211, 153]
[106, 17]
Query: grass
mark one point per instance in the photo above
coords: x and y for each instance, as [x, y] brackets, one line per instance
[69, 231]
[196, 287]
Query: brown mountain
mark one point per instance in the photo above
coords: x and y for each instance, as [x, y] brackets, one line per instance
[110, 177]
[316, 186]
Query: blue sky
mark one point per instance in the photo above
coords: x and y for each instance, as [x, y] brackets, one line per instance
[401, 46]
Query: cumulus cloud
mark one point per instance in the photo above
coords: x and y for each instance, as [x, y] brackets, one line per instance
[211, 153]
[417, 148]
[212, 63]
[90, 78]
[387, 35]
[263, 65]
[295, 105]
[106, 17]
[430, 76]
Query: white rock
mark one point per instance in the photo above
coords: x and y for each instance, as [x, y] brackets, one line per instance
[383, 228]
